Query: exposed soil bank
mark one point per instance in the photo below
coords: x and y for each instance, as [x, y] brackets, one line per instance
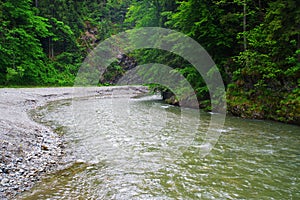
[30, 150]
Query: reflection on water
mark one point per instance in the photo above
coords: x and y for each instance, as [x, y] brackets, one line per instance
[145, 149]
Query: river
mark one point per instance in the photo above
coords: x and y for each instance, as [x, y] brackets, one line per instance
[142, 148]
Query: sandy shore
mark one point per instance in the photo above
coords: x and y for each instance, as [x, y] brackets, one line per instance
[30, 150]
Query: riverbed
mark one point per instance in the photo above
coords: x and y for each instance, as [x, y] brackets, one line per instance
[121, 147]
[30, 150]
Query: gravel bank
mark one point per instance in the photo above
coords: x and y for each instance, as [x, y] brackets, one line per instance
[30, 150]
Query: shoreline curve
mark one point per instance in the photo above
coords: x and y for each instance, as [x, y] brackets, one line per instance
[30, 150]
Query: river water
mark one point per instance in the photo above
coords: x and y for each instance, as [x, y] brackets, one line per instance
[142, 148]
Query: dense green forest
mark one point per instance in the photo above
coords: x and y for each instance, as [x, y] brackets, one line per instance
[255, 44]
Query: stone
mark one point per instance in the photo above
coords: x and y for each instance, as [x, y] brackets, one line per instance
[4, 181]
[45, 148]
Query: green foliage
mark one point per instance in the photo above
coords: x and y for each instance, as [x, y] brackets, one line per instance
[151, 13]
[269, 68]
[21, 51]
[255, 44]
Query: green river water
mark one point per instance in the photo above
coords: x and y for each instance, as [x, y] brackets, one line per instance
[142, 148]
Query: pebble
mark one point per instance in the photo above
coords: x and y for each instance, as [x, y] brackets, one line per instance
[19, 170]
[4, 181]
[44, 147]
[5, 170]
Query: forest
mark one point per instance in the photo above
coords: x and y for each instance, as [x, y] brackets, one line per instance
[255, 45]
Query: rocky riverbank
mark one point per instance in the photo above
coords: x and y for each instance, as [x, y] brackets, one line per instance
[30, 150]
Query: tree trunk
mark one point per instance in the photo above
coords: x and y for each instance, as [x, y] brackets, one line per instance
[298, 45]
[244, 25]
[50, 48]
